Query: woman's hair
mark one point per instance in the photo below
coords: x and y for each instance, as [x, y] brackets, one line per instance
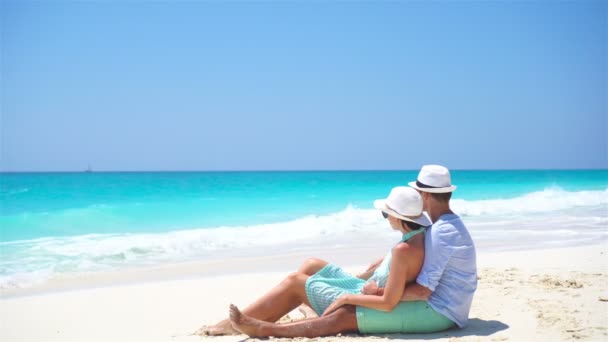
[412, 225]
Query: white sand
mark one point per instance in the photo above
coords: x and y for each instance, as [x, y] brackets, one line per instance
[556, 294]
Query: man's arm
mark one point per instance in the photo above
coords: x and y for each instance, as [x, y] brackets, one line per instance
[414, 292]
[438, 245]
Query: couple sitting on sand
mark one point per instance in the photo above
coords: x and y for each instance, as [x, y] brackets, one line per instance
[424, 284]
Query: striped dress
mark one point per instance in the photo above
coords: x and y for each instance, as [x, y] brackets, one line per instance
[331, 282]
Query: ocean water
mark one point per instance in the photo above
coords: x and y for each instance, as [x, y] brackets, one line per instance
[53, 224]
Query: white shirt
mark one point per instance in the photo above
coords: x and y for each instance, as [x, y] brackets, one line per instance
[450, 268]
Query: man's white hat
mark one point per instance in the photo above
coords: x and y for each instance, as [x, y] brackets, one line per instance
[404, 203]
[433, 178]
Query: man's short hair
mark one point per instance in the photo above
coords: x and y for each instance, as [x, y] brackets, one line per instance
[441, 197]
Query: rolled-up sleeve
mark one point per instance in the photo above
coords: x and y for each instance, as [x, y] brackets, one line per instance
[438, 249]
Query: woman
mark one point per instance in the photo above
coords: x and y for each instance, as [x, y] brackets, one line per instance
[333, 293]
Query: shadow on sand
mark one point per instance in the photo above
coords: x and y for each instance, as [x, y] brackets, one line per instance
[476, 327]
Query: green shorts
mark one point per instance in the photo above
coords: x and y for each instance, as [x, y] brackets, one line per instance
[407, 317]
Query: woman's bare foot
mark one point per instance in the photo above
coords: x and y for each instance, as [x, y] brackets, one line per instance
[222, 328]
[245, 324]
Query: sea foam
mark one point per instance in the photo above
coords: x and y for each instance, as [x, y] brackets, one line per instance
[550, 217]
[550, 200]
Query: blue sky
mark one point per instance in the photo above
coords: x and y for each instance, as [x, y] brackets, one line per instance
[298, 85]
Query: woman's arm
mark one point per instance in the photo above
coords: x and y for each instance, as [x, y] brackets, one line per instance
[402, 257]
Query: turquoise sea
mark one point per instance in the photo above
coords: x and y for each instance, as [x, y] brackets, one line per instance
[70, 223]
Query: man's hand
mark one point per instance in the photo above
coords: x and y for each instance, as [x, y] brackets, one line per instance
[371, 288]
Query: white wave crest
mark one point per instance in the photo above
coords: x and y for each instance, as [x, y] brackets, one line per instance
[549, 200]
[25, 262]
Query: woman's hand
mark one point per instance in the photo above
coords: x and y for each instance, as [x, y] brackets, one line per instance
[342, 300]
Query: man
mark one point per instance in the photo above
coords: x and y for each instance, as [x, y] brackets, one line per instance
[448, 278]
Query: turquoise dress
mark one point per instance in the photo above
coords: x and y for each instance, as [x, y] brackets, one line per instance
[331, 282]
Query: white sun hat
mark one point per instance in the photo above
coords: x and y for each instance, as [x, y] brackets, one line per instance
[404, 203]
[433, 178]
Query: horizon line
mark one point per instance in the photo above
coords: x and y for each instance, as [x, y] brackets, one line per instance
[294, 170]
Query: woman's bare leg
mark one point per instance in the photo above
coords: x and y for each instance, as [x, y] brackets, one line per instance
[342, 320]
[279, 301]
[312, 266]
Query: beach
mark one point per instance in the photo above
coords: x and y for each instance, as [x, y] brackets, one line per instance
[156, 256]
[162, 160]
[542, 294]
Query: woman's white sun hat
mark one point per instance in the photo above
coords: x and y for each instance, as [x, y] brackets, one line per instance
[404, 203]
[433, 178]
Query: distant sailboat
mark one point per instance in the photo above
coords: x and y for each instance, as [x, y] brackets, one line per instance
[88, 170]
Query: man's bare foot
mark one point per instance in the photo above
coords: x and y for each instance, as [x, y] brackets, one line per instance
[245, 324]
[307, 311]
[222, 328]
